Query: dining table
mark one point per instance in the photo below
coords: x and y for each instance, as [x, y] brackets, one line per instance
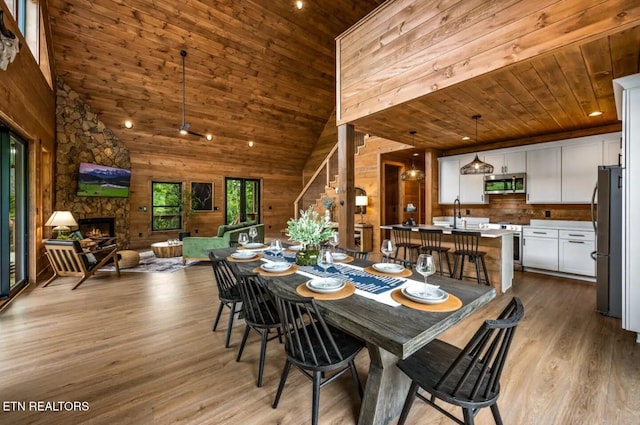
[391, 331]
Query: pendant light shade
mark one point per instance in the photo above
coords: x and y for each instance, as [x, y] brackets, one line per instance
[412, 174]
[476, 166]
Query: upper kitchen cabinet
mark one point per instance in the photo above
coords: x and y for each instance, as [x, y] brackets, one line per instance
[580, 171]
[468, 188]
[544, 175]
[507, 163]
[611, 151]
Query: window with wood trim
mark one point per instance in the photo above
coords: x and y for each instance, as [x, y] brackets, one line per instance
[166, 206]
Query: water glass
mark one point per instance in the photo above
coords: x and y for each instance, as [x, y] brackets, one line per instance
[243, 239]
[387, 249]
[276, 248]
[325, 260]
[253, 232]
[426, 267]
[334, 240]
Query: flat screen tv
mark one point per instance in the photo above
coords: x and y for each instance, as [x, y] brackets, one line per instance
[100, 180]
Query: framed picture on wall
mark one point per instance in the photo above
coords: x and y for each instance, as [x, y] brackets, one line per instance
[201, 196]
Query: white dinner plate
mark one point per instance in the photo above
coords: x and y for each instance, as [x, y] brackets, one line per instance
[415, 292]
[275, 266]
[253, 245]
[339, 256]
[388, 267]
[325, 285]
[243, 255]
[295, 247]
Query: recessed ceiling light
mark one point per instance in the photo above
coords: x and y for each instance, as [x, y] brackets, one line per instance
[251, 143]
[128, 124]
[209, 137]
[183, 132]
[299, 4]
[595, 113]
[466, 138]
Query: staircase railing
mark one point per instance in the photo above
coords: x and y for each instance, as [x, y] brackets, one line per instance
[325, 175]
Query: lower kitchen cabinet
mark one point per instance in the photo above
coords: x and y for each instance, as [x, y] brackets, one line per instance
[540, 249]
[575, 250]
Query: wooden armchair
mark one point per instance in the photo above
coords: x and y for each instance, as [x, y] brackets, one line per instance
[67, 258]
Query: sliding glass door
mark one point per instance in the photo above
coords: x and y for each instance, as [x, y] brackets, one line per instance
[13, 213]
[242, 200]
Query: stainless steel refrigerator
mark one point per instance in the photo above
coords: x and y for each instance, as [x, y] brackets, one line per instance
[608, 227]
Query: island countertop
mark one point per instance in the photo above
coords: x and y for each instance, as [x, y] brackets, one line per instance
[484, 233]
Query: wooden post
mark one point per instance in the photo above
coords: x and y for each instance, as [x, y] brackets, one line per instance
[346, 194]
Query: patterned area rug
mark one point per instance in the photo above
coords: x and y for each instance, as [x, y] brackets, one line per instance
[150, 263]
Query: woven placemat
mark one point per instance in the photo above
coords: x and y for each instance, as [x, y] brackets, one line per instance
[263, 272]
[451, 304]
[348, 259]
[404, 273]
[242, 260]
[345, 292]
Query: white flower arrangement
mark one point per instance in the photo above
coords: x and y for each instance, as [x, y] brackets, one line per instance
[309, 228]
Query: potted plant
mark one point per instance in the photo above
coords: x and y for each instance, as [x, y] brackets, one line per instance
[328, 205]
[187, 211]
[310, 231]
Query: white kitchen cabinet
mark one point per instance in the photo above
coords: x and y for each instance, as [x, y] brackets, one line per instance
[449, 180]
[580, 171]
[507, 163]
[540, 248]
[544, 175]
[471, 185]
[611, 151]
[574, 252]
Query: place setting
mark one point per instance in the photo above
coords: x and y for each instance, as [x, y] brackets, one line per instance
[244, 256]
[326, 287]
[243, 241]
[425, 296]
[278, 266]
[386, 268]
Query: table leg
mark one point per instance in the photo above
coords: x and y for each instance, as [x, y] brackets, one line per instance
[386, 389]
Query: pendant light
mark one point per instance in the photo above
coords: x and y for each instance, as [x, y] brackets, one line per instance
[476, 166]
[413, 174]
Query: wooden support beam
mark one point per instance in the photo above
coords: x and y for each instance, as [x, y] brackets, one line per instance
[346, 193]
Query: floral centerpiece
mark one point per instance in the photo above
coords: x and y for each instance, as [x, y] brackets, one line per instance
[310, 231]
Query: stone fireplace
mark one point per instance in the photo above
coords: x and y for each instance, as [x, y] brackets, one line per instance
[97, 227]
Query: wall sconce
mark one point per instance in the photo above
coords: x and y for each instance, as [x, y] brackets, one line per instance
[63, 221]
[362, 201]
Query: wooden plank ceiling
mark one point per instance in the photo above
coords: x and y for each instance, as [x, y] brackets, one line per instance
[255, 70]
[543, 99]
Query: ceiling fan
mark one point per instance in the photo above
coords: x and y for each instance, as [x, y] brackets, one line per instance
[185, 128]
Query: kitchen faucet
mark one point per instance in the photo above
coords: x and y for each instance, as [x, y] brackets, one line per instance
[456, 202]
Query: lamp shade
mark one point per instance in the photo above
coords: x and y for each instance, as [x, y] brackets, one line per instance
[362, 201]
[61, 219]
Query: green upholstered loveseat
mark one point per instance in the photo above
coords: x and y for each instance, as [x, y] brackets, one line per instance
[197, 248]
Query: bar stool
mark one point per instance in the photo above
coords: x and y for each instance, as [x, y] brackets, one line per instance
[466, 245]
[402, 236]
[432, 241]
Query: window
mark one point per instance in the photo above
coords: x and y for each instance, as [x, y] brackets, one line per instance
[166, 206]
[242, 200]
[27, 16]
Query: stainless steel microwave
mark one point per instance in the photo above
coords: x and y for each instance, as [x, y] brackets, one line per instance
[504, 183]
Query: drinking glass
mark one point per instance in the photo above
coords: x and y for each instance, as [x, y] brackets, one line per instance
[334, 240]
[325, 260]
[425, 267]
[387, 249]
[276, 248]
[243, 239]
[253, 232]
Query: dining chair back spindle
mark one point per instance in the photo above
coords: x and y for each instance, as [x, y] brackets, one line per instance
[402, 236]
[468, 377]
[358, 255]
[260, 314]
[466, 246]
[314, 348]
[432, 242]
[228, 292]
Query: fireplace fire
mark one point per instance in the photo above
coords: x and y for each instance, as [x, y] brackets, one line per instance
[98, 227]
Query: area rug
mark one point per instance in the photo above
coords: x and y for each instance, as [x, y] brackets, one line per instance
[150, 263]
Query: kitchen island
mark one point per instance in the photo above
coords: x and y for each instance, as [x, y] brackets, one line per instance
[497, 243]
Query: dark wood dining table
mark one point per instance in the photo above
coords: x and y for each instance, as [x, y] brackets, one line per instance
[391, 333]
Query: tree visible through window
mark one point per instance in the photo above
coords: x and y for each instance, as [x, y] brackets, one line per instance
[166, 206]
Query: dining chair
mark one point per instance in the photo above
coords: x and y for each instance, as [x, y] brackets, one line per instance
[260, 314]
[432, 242]
[402, 236]
[468, 378]
[228, 292]
[315, 348]
[356, 254]
[466, 245]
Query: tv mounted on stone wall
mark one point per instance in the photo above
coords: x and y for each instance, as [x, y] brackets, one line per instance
[100, 180]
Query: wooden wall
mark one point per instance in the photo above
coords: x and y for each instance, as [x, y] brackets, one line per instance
[28, 108]
[323, 146]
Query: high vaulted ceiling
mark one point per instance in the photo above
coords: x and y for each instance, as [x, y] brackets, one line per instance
[255, 70]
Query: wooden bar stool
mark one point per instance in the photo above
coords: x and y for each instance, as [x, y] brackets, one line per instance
[402, 236]
[432, 242]
[466, 245]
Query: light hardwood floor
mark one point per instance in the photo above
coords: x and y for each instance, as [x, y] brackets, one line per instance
[140, 350]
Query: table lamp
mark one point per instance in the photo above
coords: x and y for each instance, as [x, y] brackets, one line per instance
[362, 201]
[62, 221]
